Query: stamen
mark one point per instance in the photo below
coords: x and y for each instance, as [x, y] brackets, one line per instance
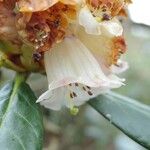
[84, 88]
[90, 93]
[106, 17]
[88, 90]
[76, 84]
[74, 94]
[37, 56]
[88, 87]
[71, 96]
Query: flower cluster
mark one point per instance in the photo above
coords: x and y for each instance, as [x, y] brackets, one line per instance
[77, 42]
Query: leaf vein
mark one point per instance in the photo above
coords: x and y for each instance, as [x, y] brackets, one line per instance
[17, 138]
[29, 123]
[28, 102]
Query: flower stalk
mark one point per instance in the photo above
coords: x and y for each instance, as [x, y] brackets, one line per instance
[19, 78]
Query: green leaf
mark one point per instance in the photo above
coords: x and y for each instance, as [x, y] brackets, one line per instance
[21, 125]
[130, 116]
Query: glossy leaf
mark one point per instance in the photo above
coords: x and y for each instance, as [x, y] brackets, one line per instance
[130, 116]
[21, 125]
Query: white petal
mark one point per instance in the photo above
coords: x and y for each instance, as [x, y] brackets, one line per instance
[52, 99]
[87, 20]
[71, 62]
[111, 28]
[61, 96]
[120, 67]
[102, 46]
[92, 26]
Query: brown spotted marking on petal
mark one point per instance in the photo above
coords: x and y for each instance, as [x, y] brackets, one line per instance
[118, 48]
[123, 13]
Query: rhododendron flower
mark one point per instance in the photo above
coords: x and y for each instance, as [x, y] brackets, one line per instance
[79, 68]
[74, 75]
[78, 43]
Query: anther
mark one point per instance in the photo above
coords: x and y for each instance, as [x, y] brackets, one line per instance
[84, 88]
[37, 56]
[74, 94]
[106, 17]
[70, 84]
[88, 87]
[90, 93]
[71, 96]
[76, 84]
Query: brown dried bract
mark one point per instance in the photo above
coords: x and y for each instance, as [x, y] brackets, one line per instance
[45, 28]
[10, 4]
[40, 5]
[8, 29]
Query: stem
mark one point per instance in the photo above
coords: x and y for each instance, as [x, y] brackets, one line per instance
[20, 77]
